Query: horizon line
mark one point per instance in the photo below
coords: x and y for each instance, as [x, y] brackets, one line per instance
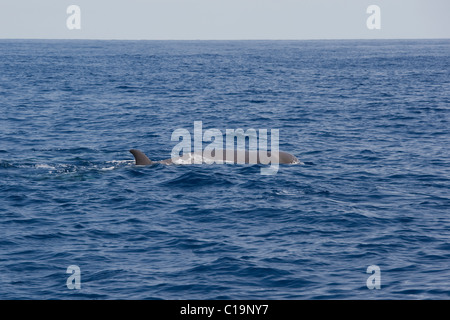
[250, 39]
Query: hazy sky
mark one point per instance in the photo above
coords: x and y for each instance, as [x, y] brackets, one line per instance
[224, 19]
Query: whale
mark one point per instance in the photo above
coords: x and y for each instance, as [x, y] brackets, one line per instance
[220, 156]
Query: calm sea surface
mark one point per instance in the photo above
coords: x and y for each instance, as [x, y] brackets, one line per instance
[370, 121]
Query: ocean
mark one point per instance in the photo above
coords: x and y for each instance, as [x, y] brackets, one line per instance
[366, 215]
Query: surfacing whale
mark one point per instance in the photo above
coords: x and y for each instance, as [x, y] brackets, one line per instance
[222, 156]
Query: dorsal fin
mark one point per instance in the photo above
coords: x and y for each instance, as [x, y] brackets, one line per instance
[140, 158]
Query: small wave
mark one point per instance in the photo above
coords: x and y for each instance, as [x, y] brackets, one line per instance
[197, 179]
[286, 192]
[298, 162]
[79, 166]
[108, 168]
[5, 164]
[44, 166]
[194, 158]
[121, 161]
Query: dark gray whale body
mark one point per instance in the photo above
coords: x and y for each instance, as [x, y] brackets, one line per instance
[238, 156]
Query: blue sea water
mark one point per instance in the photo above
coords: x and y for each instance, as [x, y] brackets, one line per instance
[369, 120]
